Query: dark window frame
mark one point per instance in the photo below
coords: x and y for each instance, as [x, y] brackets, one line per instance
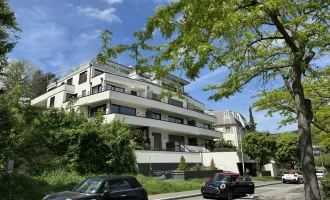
[113, 88]
[83, 93]
[70, 81]
[175, 102]
[176, 119]
[52, 101]
[99, 89]
[83, 77]
[93, 110]
[99, 72]
[120, 107]
[153, 116]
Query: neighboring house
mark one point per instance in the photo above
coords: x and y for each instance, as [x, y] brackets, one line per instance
[171, 124]
[232, 124]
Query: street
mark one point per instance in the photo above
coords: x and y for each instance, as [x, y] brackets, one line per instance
[275, 192]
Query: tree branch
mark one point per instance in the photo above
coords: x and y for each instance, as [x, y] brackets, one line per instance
[282, 30]
[268, 38]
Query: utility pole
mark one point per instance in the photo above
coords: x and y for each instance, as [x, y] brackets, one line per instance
[243, 169]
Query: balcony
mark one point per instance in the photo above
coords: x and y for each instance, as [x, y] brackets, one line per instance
[141, 100]
[166, 125]
[42, 100]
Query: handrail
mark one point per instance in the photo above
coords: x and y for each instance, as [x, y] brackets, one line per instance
[104, 89]
[162, 120]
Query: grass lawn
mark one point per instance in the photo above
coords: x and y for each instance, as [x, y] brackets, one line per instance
[19, 187]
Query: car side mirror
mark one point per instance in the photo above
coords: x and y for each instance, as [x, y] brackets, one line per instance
[106, 192]
[237, 181]
[209, 179]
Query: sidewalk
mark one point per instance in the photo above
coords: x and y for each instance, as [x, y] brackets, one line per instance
[193, 193]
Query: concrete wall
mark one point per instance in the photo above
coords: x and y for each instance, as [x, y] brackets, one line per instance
[166, 157]
[226, 161]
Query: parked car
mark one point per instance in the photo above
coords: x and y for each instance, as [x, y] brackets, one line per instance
[226, 185]
[292, 176]
[320, 173]
[104, 188]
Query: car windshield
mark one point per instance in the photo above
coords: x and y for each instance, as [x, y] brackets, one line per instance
[89, 186]
[319, 171]
[219, 177]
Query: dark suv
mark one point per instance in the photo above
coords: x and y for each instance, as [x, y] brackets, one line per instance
[226, 185]
[104, 188]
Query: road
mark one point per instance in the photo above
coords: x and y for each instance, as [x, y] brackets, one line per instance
[274, 192]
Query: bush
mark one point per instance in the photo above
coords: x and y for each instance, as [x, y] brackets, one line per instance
[183, 165]
[325, 159]
[325, 183]
[21, 187]
[212, 165]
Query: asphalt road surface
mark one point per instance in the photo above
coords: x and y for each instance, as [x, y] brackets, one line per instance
[274, 192]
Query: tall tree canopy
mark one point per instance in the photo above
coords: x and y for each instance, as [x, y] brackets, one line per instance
[254, 39]
[253, 125]
[317, 90]
[8, 30]
[259, 146]
[287, 148]
[25, 76]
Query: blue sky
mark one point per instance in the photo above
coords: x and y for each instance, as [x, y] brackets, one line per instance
[59, 34]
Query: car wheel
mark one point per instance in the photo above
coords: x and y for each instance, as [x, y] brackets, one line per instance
[229, 195]
[298, 180]
[283, 180]
[205, 197]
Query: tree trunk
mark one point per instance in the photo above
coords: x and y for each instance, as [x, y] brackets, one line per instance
[304, 115]
[292, 165]
[260, 169]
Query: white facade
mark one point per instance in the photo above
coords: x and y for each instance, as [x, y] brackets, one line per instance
[232, 124]
[125, 95]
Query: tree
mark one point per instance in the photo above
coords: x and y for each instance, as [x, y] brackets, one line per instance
[222, 145]
[182, 165]
[39, 83]
[254, 39]
[27, 76]
[260, 146]
[316, 89]
[8, 31]
[323, 160]
[19, 73]
[287, 148]
[212, 165]
[253, 126]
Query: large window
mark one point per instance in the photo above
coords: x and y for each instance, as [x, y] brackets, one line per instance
[69, 81]
[175, 102]
[52, 102]
[155, 97]
[206, 126]
[97, 72]
[175, 120]
[156, 116]
[83, 77]
[70, 96]
[227, 129]
[117, 89]
[97, 89]
[169, 87]
[123, 110]
[95, 109]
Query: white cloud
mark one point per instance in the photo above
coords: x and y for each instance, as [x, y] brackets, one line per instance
[110, 2]
[165, 1]
[107, 15]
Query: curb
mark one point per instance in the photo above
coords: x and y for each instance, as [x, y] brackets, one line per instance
[199, 194]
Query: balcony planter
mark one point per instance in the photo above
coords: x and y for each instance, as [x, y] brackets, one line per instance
[177, 175]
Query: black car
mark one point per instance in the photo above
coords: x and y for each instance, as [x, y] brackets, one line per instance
[226, 185]
[104, 188]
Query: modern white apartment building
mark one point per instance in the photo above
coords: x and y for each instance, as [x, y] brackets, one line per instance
[232, 124]
[171, 124]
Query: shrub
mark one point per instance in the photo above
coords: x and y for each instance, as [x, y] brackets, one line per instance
[212, 165]
[183, 165]
[325, 183]
[196, 167]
